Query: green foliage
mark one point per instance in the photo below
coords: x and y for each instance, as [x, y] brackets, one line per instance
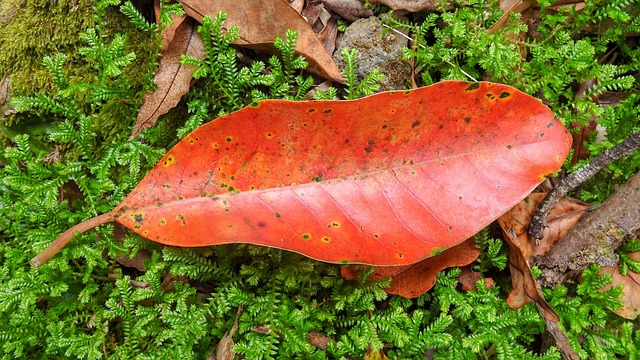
[71, 160]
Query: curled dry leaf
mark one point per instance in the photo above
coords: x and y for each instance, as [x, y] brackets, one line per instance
[515, 224]
[562, 218]
[224, 349]
[389, 179]
[173, 79]
[351, 10]
[525, 288]
[630, 292]
[415, 5]
[261, 21]
[414, 280]
[468, 279]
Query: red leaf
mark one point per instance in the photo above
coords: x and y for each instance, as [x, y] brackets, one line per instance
[411, 281]
[385, 180]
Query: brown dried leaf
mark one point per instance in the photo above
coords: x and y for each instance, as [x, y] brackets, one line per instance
[351, 10]
[515, 224]
[414, 280]
[561, 219]
[173, 79]
[261, 21]
[415, 5]
[510, 7]
[525, 287]
[319, 340]
[468, 279]
[169, 32]
[631, 291]
[370, 354]
[224, 350]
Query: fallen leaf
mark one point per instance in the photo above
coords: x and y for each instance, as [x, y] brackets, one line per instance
[389, 179]
[371, 354]
[261, 21]
[414, 280]
[510, 7]
[224, 349]
[173, 79]
[416, 5]
[561, 219]
[351, 10]
[319, 340]
[169, 32]
[468, 279]
[631, 289]
[515, 224]
[525, 288]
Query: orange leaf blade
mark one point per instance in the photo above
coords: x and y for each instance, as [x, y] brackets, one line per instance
[385, 180]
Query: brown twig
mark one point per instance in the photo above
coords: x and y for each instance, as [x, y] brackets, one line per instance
[539, 222]
[64, 238]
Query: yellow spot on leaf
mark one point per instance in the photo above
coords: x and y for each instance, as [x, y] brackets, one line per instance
[169, 160]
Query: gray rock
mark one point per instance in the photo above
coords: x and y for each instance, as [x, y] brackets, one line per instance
[376, 51]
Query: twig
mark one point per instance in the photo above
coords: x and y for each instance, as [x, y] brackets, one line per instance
[571, 181]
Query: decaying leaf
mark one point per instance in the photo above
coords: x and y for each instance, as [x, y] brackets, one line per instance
[630, 292]
[224, 349]
[268, 19]
[351, 10]
[562, 218]
[389, 179]
[416, 5]
[411, 281]
[515, 224]
[468, 279]
[173, 79]
[525, 288]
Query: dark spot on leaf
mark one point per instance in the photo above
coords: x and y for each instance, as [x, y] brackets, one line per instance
[138, 218]
[459, 197]
[415, 123]
[261, 224]
[385, 126]
[376, 236]
[440, 126]
[327, 111]
[542, 134]
[407, 92]
[317, 178]
[504, 94]
[163, 221]
[306, 236]
[509, 146]
[334, 224]
[312, 110]
[490, 96]
[473, 86]
[166, 186]
[182, 220]
[278, 215]
[467, 119]
[450, 227]
[498, 186]
[400, 255]
[229, 139]
[225, 202]
[550, 124]
[326, 239]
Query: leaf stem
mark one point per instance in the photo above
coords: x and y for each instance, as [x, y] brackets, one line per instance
[64, 238]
